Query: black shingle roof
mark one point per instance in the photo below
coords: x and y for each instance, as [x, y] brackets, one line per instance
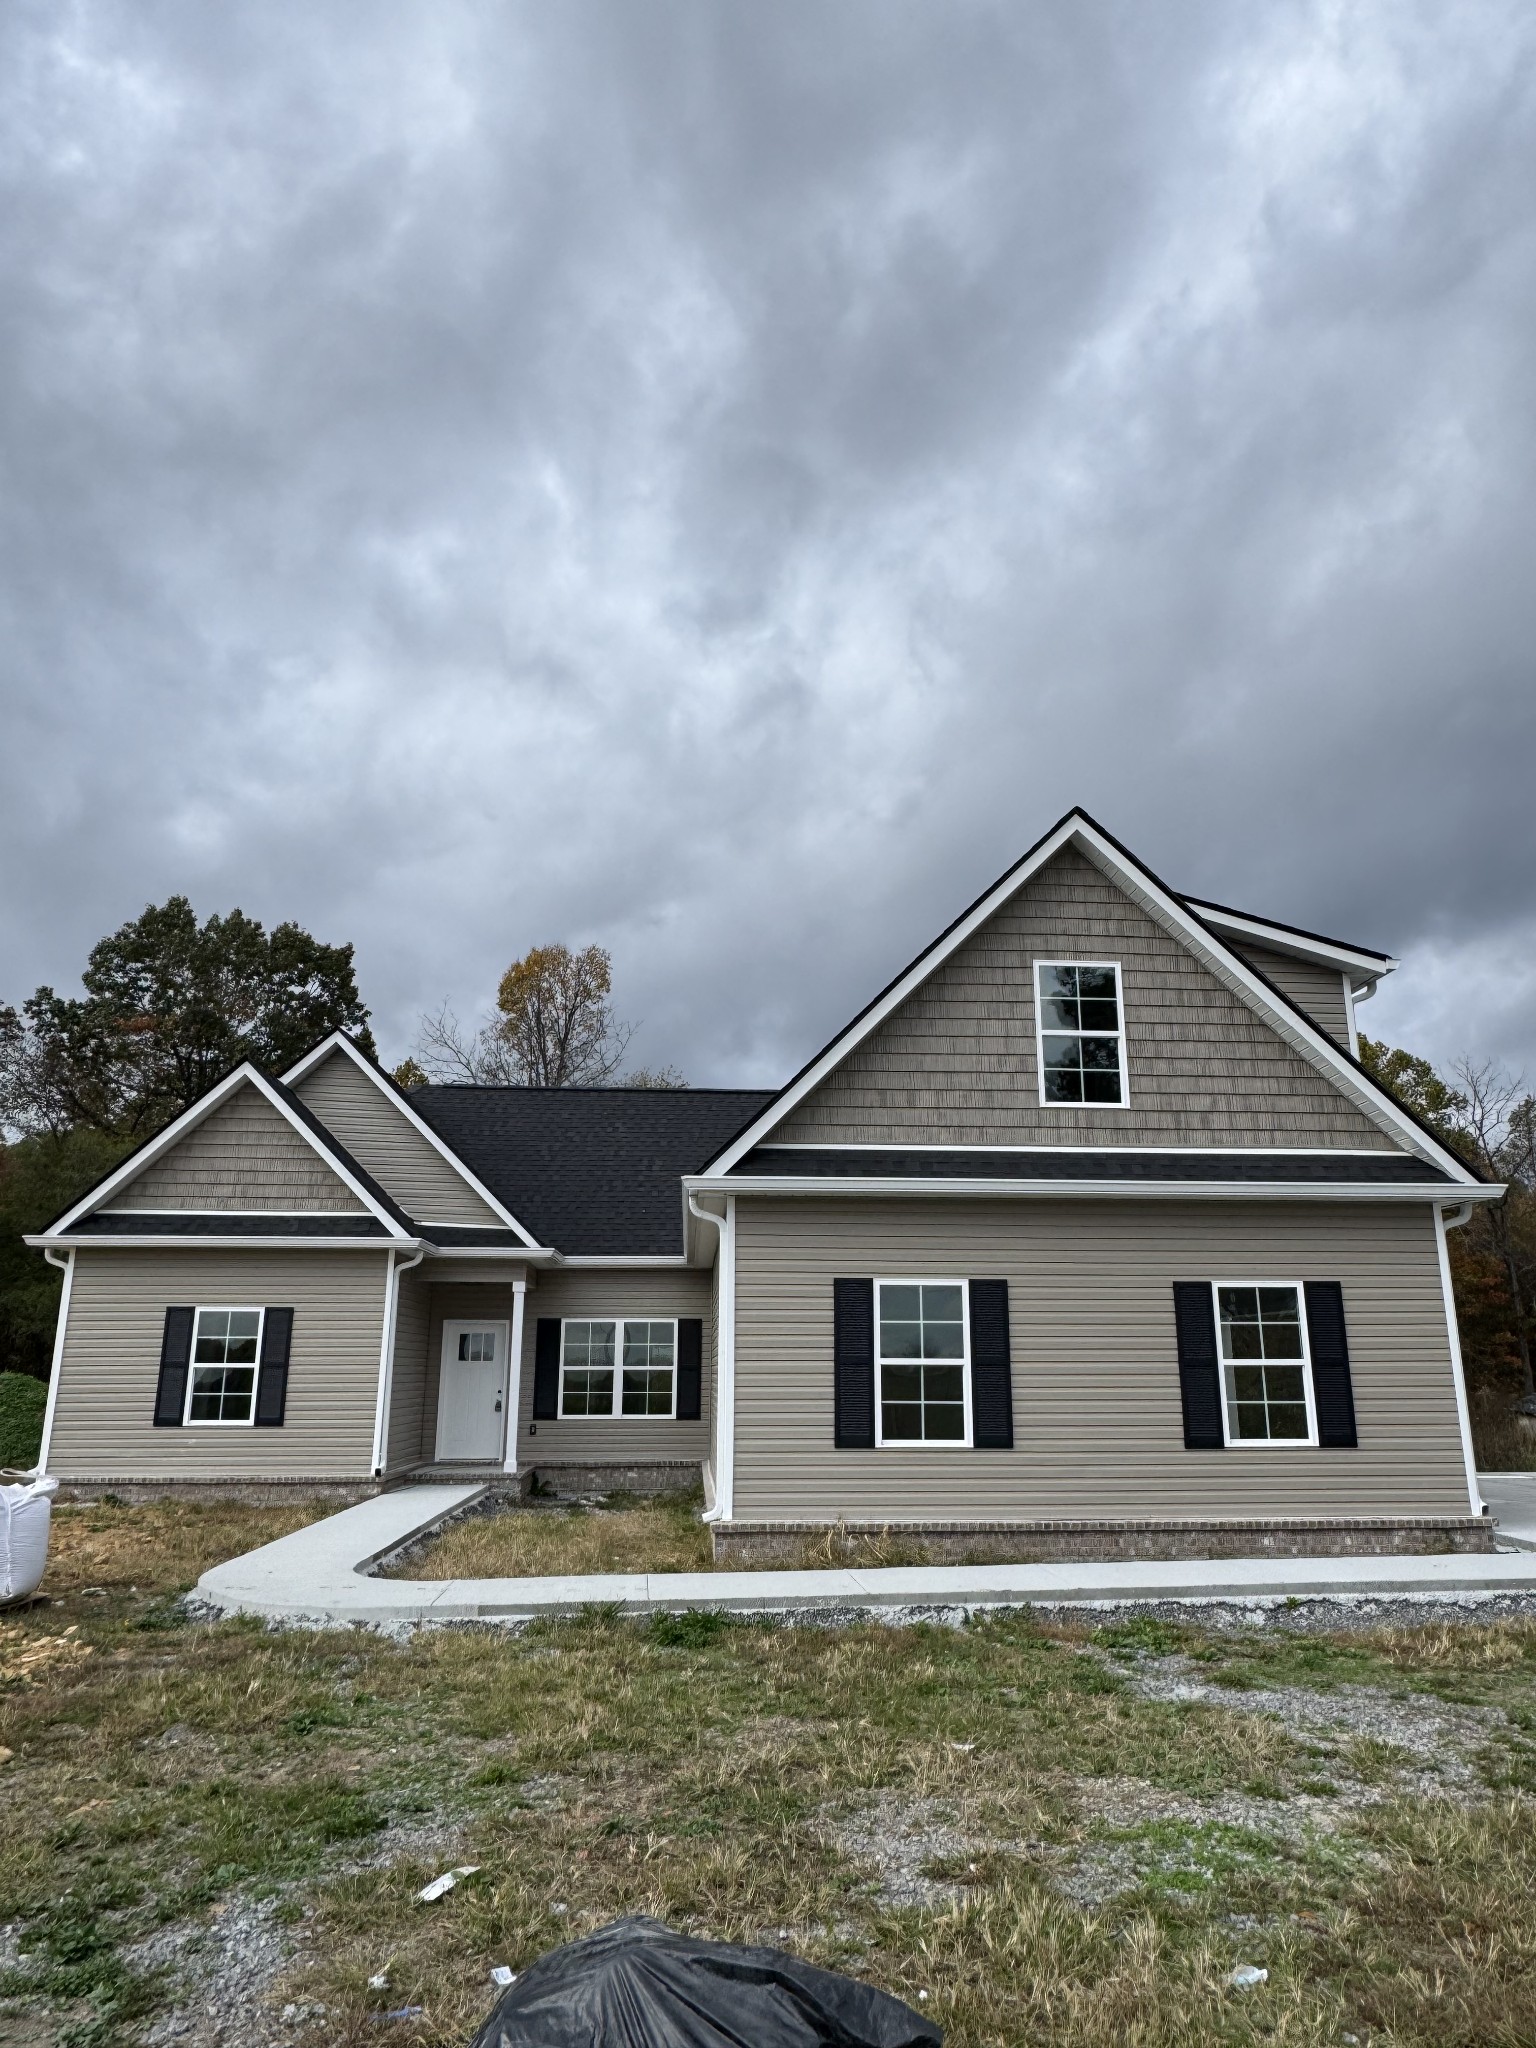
[1274, 1168]
[594, 1170]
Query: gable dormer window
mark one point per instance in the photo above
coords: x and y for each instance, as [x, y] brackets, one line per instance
[1079, 1032]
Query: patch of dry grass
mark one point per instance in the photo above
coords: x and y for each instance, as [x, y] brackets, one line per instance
[660, 1534]
[161, 1546]
[703, 1771]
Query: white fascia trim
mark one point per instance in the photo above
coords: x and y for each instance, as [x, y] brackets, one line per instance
[339, 1042]
[182, 1242]
[517, 1255]
[1458, 1370]
[56, 1369]
[245, 1074]
[1092, 1190]
[1347, 959]
[1128, 1145]
[1291, 1025]
[622, 1259]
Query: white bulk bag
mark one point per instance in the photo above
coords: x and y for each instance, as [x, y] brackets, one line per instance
[24, 1513]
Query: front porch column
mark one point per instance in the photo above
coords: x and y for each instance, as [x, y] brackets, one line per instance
[514, 1375]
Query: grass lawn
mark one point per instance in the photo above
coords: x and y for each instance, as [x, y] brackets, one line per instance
[1061, 1836]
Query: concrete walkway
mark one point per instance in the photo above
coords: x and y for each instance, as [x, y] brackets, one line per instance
[317, 1578]
[1511, 1497]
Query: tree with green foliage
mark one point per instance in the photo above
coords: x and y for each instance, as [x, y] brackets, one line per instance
[40, 1178]
[1489, 1117]
[22, 1404]
[169, 1006]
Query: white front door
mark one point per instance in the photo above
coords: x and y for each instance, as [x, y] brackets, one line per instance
[471, 1391]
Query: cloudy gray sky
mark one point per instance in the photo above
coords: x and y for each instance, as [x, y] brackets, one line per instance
[720, 479]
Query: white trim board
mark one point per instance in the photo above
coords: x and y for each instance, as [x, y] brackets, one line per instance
[245, 1075]
[1278, 938]
[340, 1042]
[182, 1242]
[1079, 831]
[1126, 1145]
[1443, 1195]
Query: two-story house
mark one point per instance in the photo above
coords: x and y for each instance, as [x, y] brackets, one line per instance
[1089, 1235]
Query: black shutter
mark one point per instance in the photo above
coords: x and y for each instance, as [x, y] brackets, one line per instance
[175, 1357]
[853, 1364]
[991, 1367]
[690, 1368]
[1332, 1390]
[1194, 1316]
[272, 1373]
[546, 1369]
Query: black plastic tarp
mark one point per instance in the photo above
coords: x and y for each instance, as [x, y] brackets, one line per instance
[636, 1984]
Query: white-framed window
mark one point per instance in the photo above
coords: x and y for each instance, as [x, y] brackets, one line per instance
[221, 1384]
[618, 1365]
[922, 1363]
[1266, 1369]
[1080, 1033]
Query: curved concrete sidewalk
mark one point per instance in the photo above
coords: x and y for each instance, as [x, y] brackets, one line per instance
[317, 1578]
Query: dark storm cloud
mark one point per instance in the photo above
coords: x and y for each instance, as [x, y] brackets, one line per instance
[720, 480]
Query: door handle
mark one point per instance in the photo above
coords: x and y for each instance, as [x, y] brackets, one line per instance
[498, 1407]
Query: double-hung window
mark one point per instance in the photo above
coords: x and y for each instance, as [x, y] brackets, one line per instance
[618, 1365]
[923, 1393]
[1080, 1030]
[1266, 1373]
[221, 1386]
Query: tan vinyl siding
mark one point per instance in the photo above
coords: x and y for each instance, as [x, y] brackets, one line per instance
[376, 1131]
[675, 1291]
[242, 1156]
[1097, 1419]
[955, 1064]
[1320, 991]
[104, 1423]
[408, 1385]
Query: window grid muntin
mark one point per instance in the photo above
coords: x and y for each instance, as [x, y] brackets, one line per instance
[923, 1368]
[221, 1373]
[636, 1367]
[1264, 1363]
[1079, 1039]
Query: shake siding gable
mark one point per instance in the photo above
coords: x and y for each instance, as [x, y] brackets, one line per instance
[1320, 991]
[956, 1063]
[104, 1423]
[244, 1155]
[380, 1137]
[1097, 1416]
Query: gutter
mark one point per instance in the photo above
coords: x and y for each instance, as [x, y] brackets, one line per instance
[719, 1509]
[387, 1358]
[1089, 1190]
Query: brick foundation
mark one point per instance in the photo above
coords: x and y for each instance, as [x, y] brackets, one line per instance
[566, 1482]
[916, 1543]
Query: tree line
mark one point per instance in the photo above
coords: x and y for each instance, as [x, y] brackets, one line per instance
[170, 1004]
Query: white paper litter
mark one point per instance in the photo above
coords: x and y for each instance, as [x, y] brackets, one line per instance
[501, 1975]
[446, 1882]
[380, 1982]
[1246, 1975]
[25, 1511]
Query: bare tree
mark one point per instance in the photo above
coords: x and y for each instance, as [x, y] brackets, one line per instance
[554, 1027]
[1497, 1118]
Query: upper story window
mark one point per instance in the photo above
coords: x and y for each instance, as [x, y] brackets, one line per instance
[1081, 1038]
[614, 1366]
[221, 1386]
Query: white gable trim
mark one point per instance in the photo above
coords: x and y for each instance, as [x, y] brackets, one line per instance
[1362, 969]
[245, 1075]
[339, 1042]
[1078, 830]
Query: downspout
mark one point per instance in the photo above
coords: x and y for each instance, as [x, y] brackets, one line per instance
[1452, 1219]
[514, 1375]
[725, 1357]
[66, 1266]
[387, 1358]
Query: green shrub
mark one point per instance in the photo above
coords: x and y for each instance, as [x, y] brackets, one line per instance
[22, 1401]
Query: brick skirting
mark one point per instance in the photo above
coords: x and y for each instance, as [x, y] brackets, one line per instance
[918, 1543]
